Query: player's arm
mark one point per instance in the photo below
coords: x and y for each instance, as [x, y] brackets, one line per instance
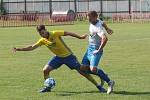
[75, 35]
[104, 40]
[109, 31]
[28, 48]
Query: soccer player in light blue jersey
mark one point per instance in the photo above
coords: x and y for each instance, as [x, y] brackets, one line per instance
[97, 41]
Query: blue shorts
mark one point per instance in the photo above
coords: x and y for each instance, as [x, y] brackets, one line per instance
[70, 61]
[90, 59]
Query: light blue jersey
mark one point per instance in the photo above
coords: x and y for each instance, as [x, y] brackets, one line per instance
[95, 32]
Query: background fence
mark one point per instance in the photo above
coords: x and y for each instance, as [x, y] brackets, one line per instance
[107, 7]
[118, 10]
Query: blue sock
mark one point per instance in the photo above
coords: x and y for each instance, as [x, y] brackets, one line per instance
[102, 75]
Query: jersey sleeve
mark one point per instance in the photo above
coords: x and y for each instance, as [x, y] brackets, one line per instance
[39, 42]
[102, 22]
[58, 33]
[100, 33]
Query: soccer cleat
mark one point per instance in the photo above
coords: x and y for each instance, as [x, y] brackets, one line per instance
[101, 89]
[45, 89]
[110, 86]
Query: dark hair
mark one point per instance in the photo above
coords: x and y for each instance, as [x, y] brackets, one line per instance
[41, 27]
[92, 13]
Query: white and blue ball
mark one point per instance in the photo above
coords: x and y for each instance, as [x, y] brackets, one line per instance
[50, 82]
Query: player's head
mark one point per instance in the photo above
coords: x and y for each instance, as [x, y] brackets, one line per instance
[42, 31]
[92, 15]
[40, 28]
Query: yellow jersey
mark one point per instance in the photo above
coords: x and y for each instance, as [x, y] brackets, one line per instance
[55, 44]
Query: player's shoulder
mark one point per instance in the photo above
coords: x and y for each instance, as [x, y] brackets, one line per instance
[57, 31]
[100, 22]
[41, 39]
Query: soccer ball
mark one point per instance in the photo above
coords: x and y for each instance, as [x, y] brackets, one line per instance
[50, 82]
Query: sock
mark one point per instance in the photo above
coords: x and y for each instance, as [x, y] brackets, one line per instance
[102, 75]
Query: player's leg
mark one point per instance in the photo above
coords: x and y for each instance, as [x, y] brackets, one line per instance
[89, 77]
[86, 62]
[92, 80]
[85, 67]
[73, 63]
[99, 72]
[46, 70]
[104, 77]
[55, 63]
[86, 72]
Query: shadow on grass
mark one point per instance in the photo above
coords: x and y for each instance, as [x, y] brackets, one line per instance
[131, 93]
[68, 93]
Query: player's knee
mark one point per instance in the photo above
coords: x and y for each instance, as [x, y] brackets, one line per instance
[46, 69]
[84, 68]
[93, 69]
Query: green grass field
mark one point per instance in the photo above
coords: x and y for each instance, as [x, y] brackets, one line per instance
[126, 59]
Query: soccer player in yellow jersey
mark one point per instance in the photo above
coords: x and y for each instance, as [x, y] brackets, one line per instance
[54, 42]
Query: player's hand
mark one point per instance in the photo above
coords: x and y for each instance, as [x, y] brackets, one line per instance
[84, 36]
[109, 31]
[95, 52]
[14, 49]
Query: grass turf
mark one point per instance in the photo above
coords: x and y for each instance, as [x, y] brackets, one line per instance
[126, 60]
